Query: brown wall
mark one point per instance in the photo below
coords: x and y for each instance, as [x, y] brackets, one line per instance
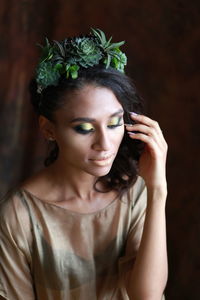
[162, 44]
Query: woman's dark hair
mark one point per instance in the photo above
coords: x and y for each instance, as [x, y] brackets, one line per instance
[123, 173]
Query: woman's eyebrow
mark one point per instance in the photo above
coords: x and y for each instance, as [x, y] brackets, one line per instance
[90, 120]
[87, 120]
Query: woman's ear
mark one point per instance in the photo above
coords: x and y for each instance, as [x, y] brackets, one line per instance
[47, 128]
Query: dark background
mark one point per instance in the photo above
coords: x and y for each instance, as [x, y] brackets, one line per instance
[162, 45]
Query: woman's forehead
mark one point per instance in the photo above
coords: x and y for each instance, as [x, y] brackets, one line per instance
[91, 102]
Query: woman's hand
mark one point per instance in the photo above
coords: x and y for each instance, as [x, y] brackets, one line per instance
[152, 253]
[152, 163]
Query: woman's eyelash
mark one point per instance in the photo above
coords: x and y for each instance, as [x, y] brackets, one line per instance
[86, 128]
[83, 128]
[117, 123]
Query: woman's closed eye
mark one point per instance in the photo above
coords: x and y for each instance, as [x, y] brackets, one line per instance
[115, 122]
[84, 128]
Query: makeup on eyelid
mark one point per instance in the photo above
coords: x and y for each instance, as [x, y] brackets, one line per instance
[87, 127]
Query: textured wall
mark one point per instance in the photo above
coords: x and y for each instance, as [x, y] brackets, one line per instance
[162, 44]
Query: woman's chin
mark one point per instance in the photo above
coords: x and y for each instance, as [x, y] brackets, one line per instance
[100, 171]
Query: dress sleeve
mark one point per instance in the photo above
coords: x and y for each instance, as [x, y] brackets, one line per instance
[138, 202]
[15, 258]
[138, 199]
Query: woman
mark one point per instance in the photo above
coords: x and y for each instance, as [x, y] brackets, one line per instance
[91, 225]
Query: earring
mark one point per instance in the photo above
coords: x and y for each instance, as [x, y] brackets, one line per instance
[51, 139]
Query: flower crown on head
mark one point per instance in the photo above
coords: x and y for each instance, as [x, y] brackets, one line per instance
[71, 54]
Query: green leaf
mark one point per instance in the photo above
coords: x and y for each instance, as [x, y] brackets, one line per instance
[46, 75]
[108, 61]
[58, 66]
[74, 74]
[67, 56]
[115, 45]
[108, 42]
[67, 70]
[67, 67]
[47, 52]
[47, 42]
[72, 70]
[60, 48]
[100, 35]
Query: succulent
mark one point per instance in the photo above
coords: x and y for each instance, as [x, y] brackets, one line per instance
[47, 74]
[86, 52]
[113, 55]
[68, 56]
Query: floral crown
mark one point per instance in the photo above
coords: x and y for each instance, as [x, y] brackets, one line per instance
[71, 54]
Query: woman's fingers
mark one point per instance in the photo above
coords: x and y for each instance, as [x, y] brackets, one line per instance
[142, 132]
[152, 163]
[148, 131]
[147, 126]
[147, 121]
[155, 149]
[142, 129]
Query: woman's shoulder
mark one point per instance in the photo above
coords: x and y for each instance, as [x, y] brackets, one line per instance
[14, 205]
[14, 202]
[14, 217]
[11, 202]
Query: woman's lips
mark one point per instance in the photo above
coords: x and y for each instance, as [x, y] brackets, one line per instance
[102, 161]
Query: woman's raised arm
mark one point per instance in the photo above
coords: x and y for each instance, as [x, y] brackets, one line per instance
[148, 277]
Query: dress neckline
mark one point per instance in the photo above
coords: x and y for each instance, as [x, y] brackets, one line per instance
[44, 202]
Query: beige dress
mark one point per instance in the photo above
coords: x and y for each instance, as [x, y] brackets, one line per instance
[51, 253]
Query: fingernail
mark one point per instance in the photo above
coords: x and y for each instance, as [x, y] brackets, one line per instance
[130, 125]
[131, 133]
[133, 113]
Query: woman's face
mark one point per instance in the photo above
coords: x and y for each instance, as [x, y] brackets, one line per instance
[89, 130]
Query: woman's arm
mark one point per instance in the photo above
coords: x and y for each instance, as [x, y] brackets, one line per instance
[148, 277]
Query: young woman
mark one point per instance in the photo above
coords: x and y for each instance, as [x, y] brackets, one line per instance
[91, 225]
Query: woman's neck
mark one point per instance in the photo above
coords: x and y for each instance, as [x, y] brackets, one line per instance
[71, 182]
[76, 193]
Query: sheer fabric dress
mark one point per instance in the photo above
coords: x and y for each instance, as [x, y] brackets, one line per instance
[50, 253]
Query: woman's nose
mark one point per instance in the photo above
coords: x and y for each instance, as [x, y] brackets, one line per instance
[102, 141]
